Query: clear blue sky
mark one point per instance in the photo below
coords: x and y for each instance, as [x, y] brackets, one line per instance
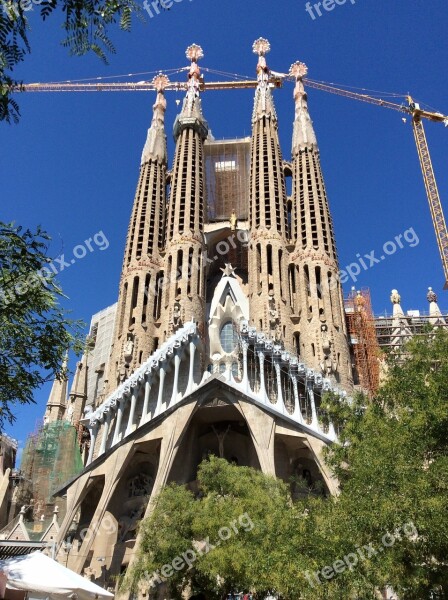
[72, 163]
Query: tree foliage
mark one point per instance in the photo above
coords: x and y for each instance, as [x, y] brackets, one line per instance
[392, 464]
[35, 332]
[387, 529]
[239, 526]
[86, 24]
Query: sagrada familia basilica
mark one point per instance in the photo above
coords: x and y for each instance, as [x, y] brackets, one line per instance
[229, 328]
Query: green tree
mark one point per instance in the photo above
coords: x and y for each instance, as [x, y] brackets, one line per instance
[240, 529]
[35, 332]
[392, 464]
[86, 24]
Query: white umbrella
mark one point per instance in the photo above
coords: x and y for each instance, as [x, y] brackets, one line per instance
[38, 573]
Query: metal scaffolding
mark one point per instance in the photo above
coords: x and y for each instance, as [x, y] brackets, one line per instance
[227, 168]
[361, 328]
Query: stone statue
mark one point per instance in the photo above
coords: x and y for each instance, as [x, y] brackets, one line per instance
[395, 297]
[233, 220]
[140, 485]
[221, 437]
[128, 348]
[176, 316]
[326, 344]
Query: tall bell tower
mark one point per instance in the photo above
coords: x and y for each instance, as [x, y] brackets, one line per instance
[318, 320]
[139, 300]
[268, 255]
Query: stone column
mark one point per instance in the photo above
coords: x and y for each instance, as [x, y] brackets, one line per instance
[93, 436]
[262, 383]
[134, 397]
[191, 370]
[176, 376]
[108, 417]
[148, 383]
[162, 374]
[120, 410]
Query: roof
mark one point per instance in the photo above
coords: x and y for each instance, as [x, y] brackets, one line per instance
[9, 548]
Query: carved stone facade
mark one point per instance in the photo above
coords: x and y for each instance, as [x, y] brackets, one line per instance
[209, 312]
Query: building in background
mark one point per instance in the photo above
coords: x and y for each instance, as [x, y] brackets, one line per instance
[58, 448]
[99, 345]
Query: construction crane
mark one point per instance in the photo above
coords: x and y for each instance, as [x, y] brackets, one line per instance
[417, 114]
[410, 108]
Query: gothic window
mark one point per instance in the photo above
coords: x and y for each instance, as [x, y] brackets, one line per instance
[228, 337]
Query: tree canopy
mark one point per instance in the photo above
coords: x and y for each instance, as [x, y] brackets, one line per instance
[386, 530]
[35, 331]
[86, 24]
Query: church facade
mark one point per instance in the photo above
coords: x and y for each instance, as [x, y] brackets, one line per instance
[229, 327]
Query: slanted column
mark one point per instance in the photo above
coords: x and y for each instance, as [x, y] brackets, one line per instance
[162, 373]
[310, 391]
[191, 370]
[279, 385]
[245, 346]
[106, 427]
[148, 383]
[134, 397]
[93, 436]
[176, 375]
[121, 404]
[262, 384]
[297, 407]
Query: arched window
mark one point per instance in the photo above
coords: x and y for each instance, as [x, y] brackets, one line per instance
[228, 337]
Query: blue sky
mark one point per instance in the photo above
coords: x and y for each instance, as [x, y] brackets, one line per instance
[72, 163]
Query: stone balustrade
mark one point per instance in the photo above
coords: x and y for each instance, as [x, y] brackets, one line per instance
[261, 369]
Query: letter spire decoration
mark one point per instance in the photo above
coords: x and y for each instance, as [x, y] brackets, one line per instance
[155, 146]
[264, 105]
[303, 134]
[191, 115]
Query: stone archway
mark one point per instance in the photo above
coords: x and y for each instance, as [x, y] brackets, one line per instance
[218, 428]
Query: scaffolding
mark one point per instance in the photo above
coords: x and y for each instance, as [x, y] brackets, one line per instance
[50, 458]
[227, 168]
[392, 337]
[366, 350]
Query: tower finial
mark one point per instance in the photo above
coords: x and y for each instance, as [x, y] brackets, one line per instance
[303, 135]
[155, 146]
[160, 82]
[261, 47]
[435, 316]
[194, 53]
[431, 295]
[191, 108]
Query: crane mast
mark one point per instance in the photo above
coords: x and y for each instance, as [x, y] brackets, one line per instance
[432, 192]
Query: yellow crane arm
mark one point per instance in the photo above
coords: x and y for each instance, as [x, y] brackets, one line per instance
[141, 86]
[413, 109]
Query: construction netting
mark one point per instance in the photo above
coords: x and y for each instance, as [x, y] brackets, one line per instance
[227, 168]
[50, 458]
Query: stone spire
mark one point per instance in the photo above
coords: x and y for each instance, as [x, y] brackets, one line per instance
[269, 309]
[435, 316]
[57, 400]
[303, 132]
[191, 116]
[140, 295]
[78, 392]
[401, 332]
[264, 103]
[318, 318]
[183, 268]
[155, 147]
